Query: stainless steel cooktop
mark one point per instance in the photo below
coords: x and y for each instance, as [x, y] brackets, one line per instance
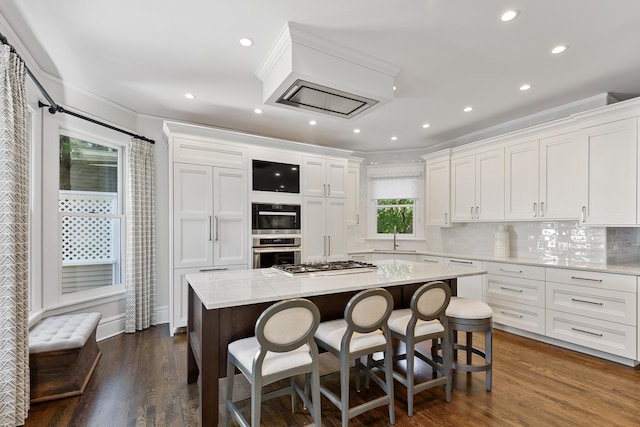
[326, 268]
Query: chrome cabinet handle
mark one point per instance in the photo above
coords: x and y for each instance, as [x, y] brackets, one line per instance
[460, 262]
[328, 189]
[446, 218]
[202, 270]
[210, 227]
[587, 302]
[506, 313]
[586, 332]
[477, 212]
[328, 245]
[431, 261]
[324, 245]
[324, 189]
[506, 270]
[217, 226]
[472, 213]
[535, 209]
[510, 289]
[542, 209]
[587, 279]
[584, 214]
[357, 219]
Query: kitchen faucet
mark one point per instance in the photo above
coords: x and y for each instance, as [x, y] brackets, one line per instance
[395, 236]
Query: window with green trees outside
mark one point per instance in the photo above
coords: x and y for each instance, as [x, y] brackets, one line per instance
[394, 214]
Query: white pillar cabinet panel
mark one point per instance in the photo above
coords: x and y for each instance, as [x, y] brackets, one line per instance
[521, 181]
[563, 176]
[192, 216]
[313, 228]
[336, 225]
[230, 216]
[437, 198]
[179, 304]
[337, 178]
[463, 188]
[490, 185]
[353, 195]
[611, 182]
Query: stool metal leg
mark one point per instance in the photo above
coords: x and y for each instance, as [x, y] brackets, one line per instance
[487, 350]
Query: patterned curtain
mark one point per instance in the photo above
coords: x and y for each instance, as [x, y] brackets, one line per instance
[141, 237]
[14, 241]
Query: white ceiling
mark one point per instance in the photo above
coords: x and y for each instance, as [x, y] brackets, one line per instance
[146, 54]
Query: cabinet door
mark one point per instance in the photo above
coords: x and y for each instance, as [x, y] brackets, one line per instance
[314, 178]
[337, 178]
[230, 216]
[313, 228]
[490, 185]
[437, 189]
[463, 188]
[468, 287]
[611, 168]
[521, 181]
[192, 216]
[353, 195]
[336, 217]
[563, 177]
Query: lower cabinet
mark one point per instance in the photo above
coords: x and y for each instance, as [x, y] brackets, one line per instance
[390, 255]
[468, 287]
[360, 257]
[526, 317]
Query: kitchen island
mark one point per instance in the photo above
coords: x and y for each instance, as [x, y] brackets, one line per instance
[224, 306]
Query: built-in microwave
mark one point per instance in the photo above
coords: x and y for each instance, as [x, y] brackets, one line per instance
[275, 218]
[275, 177]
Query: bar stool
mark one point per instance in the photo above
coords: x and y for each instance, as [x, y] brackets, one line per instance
[362, 332]
[469, 316]
[283, 347]
[425, 320]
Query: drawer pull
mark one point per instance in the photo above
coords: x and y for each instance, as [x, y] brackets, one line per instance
[203, 270]
[460, 262]
[586, 332]
[510, 289]
[506, 313]
[587, 279]
[506, 270]
[432, 261]
[585, 301]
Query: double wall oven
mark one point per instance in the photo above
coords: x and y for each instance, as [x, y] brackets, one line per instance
[276, 234]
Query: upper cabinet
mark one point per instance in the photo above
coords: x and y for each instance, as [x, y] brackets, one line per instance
[324, 177]
[353, 191]
[477, 186]
[543, 178]
[610, 196]
[438, 190]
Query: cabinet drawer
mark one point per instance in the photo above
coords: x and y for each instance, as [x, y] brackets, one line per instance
[525, 317]
[601, 304]
[618, 282]
[209, 153]
[523, 291]
[515, 270]
[428, 259]
[600, 335]
[361, 257]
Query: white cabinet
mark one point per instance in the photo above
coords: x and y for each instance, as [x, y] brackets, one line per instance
[430, 259]
[477, 187]
[468, 287]
[437, 189]
[209, 217]
[324, 229]
[611, 187]
[543, 178]
[361, 257]
[353, 192]
[324, 177]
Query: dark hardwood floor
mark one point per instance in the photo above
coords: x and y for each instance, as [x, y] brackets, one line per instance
[141, 381]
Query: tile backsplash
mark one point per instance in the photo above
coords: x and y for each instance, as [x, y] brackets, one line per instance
[561, 241]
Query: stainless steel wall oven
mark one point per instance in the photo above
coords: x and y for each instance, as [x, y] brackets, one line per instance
[275, 218]
[270, 251]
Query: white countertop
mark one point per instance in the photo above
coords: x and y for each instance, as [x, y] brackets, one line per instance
[632, 269]
[229, 288]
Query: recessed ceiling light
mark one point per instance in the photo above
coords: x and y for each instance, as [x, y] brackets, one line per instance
[312, 122]
[525, 87]
[509, 15]
[257, 111]
[356, 131]
[426, 125]
[246, 42]
[394, 88]
[189, 96]
[467, 109]
[394, 138]
[559, 49]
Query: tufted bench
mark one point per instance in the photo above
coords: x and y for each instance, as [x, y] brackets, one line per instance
[62, 355]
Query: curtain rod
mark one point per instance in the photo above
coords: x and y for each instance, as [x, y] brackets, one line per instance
[55, 108]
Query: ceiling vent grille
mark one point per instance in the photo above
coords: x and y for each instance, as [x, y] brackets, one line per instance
[315, 97]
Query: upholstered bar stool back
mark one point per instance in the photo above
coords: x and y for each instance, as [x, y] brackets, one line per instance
[469, 315]
[362, 332]
[283, 347]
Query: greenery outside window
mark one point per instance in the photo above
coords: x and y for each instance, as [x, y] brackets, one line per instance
[394, 216]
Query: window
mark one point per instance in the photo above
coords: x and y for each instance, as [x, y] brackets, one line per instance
[395, 194]
[90, 211]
